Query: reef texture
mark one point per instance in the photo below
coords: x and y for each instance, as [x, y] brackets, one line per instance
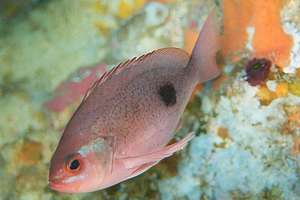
[248, 135]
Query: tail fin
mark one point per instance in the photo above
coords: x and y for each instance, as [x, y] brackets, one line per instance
[203, 59]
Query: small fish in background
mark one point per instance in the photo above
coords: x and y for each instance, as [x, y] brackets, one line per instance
[70, 91]
[127, 118]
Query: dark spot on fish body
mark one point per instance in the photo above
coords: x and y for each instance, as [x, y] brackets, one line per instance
[167, 94]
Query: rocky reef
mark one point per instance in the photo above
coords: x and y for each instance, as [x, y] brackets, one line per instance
[248, 135]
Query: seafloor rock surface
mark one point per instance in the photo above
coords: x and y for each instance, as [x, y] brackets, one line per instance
[248, 137]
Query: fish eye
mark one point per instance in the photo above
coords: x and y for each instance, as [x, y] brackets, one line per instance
[74, 164]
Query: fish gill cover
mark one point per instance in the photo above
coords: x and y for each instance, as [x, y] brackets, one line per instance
[247, 144]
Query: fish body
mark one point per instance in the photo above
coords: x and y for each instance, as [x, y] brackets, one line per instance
[127, 118]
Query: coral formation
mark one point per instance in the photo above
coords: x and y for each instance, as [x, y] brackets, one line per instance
[264, 18]
[257, 71]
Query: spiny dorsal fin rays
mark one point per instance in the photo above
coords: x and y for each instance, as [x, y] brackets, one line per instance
[119, 68]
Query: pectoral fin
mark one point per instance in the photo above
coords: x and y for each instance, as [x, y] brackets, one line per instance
[142, 169]
[156, 156]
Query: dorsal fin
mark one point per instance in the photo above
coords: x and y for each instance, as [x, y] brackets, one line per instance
[119, 68]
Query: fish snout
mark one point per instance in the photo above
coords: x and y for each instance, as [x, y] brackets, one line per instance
[61, 186]
[56, 186]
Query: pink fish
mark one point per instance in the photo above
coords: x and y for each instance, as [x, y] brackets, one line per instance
[125, 121]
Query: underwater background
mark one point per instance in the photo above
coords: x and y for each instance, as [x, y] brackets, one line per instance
[247, 121]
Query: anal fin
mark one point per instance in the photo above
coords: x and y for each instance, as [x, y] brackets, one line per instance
[142, 169]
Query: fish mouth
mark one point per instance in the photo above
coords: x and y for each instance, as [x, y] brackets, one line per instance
[61, 187]
[57, 186]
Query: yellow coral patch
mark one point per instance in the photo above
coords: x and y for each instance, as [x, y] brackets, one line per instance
[30, 153]
[101, 7]
[265, 95]
[298, 73]
[282, 90]
[129, 7]
[294, 88]
[104, 27]
[223, 133]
